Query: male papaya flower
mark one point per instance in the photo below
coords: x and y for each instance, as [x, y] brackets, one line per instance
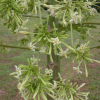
[74, 17]
[19, 85]
[51, 10]
[63, 53]
[34, 60]
[23, 94]
[93, 11]
[18, 71]
[77, 70]
[88, 3]
[55, 41]
[82, 48]
[54, 85]
[43, 49]
[49, 71]
[31, 46]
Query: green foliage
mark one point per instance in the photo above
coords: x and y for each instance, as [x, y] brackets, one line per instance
[11, 12]
[32, 82]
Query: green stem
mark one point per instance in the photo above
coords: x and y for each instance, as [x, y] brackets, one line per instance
[40, 13]
[71, 33]
[51, 58]
[69, 69]
[38, 57]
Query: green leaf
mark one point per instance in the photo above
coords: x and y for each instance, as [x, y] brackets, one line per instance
[36, 91]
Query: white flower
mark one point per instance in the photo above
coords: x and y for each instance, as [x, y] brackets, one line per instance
[34, 60]
[51, 10]
[88, 3]
[49, 71]
[23, 96]
[18, 71]
[81, 48]
[19, 85]
[31, 46]
[77, 70]
[55, 85]
[43, 49]
[55, 41]
[75, 18]
[93, 11]
[63, 53]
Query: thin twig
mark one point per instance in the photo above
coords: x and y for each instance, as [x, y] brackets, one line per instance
[19, 47]
[36, 16]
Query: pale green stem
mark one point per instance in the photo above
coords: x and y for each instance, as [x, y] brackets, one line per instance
[68, 70]
[51, 58]
[40, 13]
[38, 55]
[71, 33]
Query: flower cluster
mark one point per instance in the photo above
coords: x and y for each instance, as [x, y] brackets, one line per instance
[18, 71]
[75, 18]
[77, 70]
[31, 46]
[71, 13]
[43, 49]
[82, 48]
[49, 71]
